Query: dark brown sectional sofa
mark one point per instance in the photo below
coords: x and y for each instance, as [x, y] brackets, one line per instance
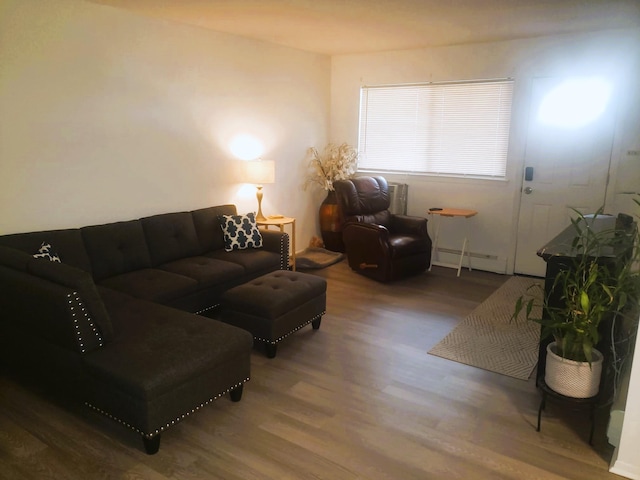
[116, 322]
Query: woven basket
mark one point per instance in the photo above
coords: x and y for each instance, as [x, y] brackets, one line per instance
[571, 378]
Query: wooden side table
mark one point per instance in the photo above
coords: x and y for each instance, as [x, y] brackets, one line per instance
[451, 213]
[281, 222]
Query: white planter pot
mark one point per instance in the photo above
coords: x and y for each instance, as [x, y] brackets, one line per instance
[571, 378]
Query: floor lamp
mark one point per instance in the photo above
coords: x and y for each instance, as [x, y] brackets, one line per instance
[260, 172]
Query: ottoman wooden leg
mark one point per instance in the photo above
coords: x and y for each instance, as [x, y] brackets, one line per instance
[151, 445]
[236, 394]
[271, 349]
[316, 323]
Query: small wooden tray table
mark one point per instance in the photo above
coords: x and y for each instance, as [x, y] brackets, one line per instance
[451, 213]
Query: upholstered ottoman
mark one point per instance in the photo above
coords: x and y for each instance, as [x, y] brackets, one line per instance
[275, 305]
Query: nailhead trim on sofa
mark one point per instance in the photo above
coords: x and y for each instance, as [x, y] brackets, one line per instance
[284, 252]
[77, 309]
[172, 422]
[282, 337]
[200, 312]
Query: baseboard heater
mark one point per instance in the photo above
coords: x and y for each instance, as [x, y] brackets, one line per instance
[472, 254]
[398, 198]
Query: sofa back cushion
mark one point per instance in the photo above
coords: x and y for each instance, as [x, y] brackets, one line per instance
[116, 248]
[170, 236]
[208, 227]
[66, 243]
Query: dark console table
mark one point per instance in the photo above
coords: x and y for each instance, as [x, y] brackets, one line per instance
[559, 255]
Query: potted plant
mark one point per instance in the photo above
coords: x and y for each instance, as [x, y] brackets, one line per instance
[598, 286]
[335, 162]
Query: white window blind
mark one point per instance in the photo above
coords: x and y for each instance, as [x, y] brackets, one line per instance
[456, 129]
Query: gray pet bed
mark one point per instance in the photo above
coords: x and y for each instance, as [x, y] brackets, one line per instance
[315, 257]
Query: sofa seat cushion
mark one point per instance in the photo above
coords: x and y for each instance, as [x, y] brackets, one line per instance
[152, 284]
[163, 365]
[158, 348]
[206, 271]
[254, 261]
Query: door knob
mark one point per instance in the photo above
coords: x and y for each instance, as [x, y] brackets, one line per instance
[528, 190]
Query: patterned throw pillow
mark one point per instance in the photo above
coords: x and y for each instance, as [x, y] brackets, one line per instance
[47, 251]
[240, 232]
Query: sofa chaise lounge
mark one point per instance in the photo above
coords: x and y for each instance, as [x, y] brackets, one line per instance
[115, 320]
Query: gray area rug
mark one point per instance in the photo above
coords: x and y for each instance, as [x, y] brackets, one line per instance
[316, 257]
[487, 339]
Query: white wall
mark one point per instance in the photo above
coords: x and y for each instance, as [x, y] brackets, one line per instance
[625, 459]
[611, 53]
[106, 115]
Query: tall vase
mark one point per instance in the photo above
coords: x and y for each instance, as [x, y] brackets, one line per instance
[331, 223]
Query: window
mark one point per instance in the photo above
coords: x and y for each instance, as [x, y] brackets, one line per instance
[453, 129]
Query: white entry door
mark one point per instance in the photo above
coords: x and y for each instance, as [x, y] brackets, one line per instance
[565, 168]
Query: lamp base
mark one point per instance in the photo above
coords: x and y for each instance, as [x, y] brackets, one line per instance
[259, 216]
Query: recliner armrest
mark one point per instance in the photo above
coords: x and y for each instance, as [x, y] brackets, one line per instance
[368, 230]
[366, 242]
[408, 224]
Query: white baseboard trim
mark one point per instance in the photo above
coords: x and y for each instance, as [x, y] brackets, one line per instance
[479, 261]
[625, 470]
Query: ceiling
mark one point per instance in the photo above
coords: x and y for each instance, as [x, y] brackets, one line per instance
[359, 26]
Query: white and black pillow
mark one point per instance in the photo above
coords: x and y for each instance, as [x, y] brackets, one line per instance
[240, 232]
[47, 251]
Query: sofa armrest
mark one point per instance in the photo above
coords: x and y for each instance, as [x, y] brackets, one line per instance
[277, 242]
[52, 300]
[14, 258]
[408, 224]
[47, 310]
[86, 293]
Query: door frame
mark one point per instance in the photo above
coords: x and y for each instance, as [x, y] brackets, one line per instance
[519, 167]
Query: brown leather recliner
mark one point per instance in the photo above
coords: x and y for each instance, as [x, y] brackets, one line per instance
[379, 244]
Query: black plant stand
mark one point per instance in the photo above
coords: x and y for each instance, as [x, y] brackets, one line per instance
[574, 403]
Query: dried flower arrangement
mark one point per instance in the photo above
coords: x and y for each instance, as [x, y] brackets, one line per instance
[336, 162]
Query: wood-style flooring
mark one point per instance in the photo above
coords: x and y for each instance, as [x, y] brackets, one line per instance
[358, 399]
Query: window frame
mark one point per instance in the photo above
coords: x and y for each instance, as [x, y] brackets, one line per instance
[500, 92]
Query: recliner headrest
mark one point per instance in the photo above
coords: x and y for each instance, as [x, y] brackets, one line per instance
[362, 195]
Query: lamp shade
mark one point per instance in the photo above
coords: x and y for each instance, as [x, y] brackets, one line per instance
[259, 172]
